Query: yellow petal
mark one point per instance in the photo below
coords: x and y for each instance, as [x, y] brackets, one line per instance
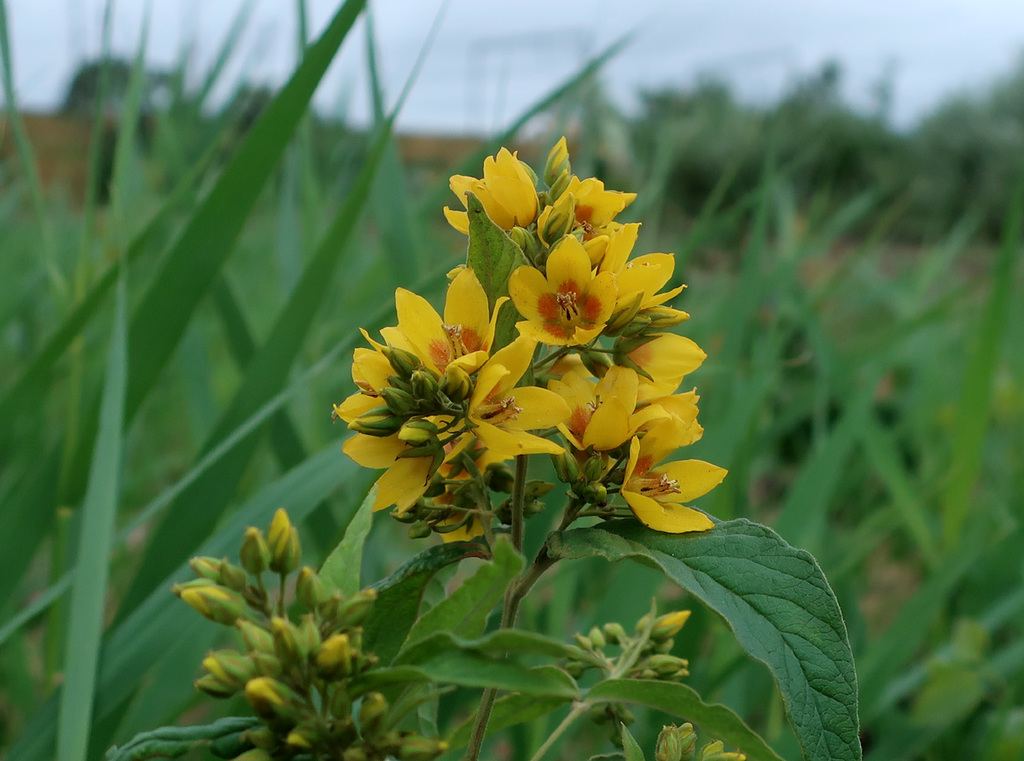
[670, 519]
[550, 333]
[694, 478]
[621, 383]
[540, 409]
[508, 444]
[568, 263]
[403, 484]
[466, 305]
[422, 326]
[516, 358]
[374, 452]
[668, 359]
[526, 285]
[619, 246]
[457, 219]
[355, 406]
[609, 426]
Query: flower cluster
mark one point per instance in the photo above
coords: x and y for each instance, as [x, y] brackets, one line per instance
[301, 677]
[570, 356]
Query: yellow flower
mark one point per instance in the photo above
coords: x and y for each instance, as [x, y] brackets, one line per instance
[462, 338]
[406, 478]
[570, 305]
[667, 359]
[655, 494]
[682, 408]
[508, 193]
[501, 413]
[596, 207]
[603, 413]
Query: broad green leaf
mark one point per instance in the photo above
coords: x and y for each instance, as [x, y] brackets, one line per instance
[88, 595]
[775, 599]
[341, 569]
[492, 254]
[500, 641]
[464, 613]
[683, 701]
[510, 710]
[399, 596]
[630, 746]
[470, 668]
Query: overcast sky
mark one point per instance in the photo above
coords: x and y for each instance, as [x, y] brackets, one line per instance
[491, 59]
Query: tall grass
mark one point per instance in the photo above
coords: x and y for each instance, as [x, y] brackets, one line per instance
[866, 398]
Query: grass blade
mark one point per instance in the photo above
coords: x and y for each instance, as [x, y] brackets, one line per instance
[85, 625]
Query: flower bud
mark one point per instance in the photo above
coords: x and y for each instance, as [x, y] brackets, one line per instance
[585, 642]
[595, 493]
[309, 635]
[668, 665]
[622, 318]
[302, 737]
[596, 362]
[424, 385]
[566, 468]
[255, 555]
[521, 238]
[206, 568]
[715, 751]
[230, 668]
[254, 754]
[355, 610]
[354, 754]
[398, 400]
[597, 638]
[669, 624]
[215, 602]
[418, 432]
[404, 362]
[663, 317]
[261, 737]
[419, 748]
[373, 714]
[283, 540]
[214, 687]
[499, 477]
[557, 162]
[456, 384]
[271, 699]
[256, 638]
[557, 220]
[676, 743]
[340, 704]
[232, 576]
[537, 489]
[335, 658]
[287, 643]
[309, 588]
[615, 633]
[559, 186]
[379, 421]
[267, 663]
[419, 530]
[593, 468]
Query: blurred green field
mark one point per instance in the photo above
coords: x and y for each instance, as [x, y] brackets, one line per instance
[169, 352]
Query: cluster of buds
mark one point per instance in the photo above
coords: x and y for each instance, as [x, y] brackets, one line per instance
[582, 369]
[643, 655]
[302, 674]
[680, 744]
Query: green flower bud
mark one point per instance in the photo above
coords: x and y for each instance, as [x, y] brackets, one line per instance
[255, 554]
[585, 642]
[309, 588]
[214, 687]
[232, 576]
[379, 421]
[715, 751]
[521, 237]
[663, 318]
[340, 704]
[419, 432]
[424, 385]
[271, 699]
[256, 638]
[261, 737]
[215, 602]
[206, 568]
[336, 658]
[283, 540]
[255, 754]
[595, 493]
[668, 665]
[557, 220]
[557, 162]
[419, 748]
[566, 467]
[615, 633]
[267, 664]
[287, 643]
[593, 468]
[676, 743]
[355, 610]
[559, 186]
[669, 624]
[620, 320]
[456, 384]
[303, 737]
[596, 362]
[230, 668]
[597, 638]
[399, 401]
[373, 714]
[499, 477]
[354, 754]
[309, 635]
[419, 530]
[404, 362]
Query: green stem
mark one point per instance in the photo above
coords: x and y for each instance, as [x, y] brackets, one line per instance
[578, 710]
[519, 502]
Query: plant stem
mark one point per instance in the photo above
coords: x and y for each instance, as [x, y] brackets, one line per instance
[513, 597]
[577, 710]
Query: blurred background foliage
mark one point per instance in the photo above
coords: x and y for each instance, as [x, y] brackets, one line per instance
[855, 287]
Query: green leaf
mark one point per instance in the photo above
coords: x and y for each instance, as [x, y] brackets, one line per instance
[399, 596]
[511, 710]
[465, 611]
[492, 254]
[775, 599]
[85, 626]
[341, 569]
[470, 668]
[500, 641]
[170, 742]
[683, 701]
[631, 747]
